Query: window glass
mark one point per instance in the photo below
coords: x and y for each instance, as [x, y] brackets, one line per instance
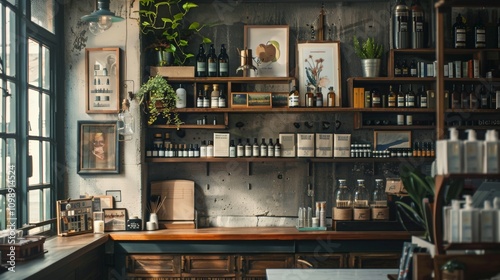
[35, 157]
[35, 200]
[34, 113]
[46, 115]
[10, 108]
[45, 68]
[46, 163]
[10, 32]
[42, 13]
[3, 213]
[33, 63]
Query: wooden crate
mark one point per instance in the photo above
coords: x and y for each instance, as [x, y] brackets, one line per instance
[24, 249]
[173, 71]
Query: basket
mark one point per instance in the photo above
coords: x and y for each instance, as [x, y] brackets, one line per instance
[25, 249]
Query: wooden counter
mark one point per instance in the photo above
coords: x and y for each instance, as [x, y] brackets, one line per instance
[254, 233]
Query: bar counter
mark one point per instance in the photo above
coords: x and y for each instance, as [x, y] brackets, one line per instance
[253, 233]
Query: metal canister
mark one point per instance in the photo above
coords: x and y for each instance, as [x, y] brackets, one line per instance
[417, 26]
[400, 26]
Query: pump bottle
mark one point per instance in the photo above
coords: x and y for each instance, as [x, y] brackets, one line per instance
[473, 153]
[449, 154]
[488, 222]
[491, 152]
[469, 222]
[454, 229]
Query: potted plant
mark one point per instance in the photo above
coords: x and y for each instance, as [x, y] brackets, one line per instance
[168, 30]
[370, 53]
[158, 98]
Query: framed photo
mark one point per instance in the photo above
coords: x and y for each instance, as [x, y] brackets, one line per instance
[319, 66]
[98, 147]
[269, 45]
[102, 80]
[115, 219]
[102, 202]
[383, 140]
[259, 100]
[280, 99]
[239, 99]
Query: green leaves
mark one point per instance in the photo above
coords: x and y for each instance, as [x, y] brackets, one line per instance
[368, 49]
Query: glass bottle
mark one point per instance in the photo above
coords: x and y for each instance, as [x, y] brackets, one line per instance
[201, 62]
[223, 62]
[199, 99]
[319, 97]
[263, 148]
[330, 100]
[277, 148]
[191, 150]
[479, 33]
[240, 149]
[248, 148]
[459, 33]
[210, 148]
[413, 68]
[379, 203]
[293, 98]
[361, 201]
[222, 100]
[391, 100]
[376, 98]
[255, 148]
[464, 96]
[166, 140]
[473, 98]
[455, 99]
[405, 71]
[206, 97]
[270, 148]
[485, 98]
[493, 98]
[180, 102]
[232, 149]
[214, 97]
[342, 196]
[401, 97]
[309, 97]
[417, 25]
[410, 98]
[212, 62]
[397, 69]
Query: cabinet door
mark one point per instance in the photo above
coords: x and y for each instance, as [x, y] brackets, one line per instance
[374, 260]
[319, 260]
[153, 265]
[209, 266]
[256, 265]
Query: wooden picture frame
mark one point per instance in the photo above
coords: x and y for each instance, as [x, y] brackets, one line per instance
[318, 64]
[102, 202]
[259, 100]
[115, 219]
[383, 140]
[102, 80]
[239, 99]
[270, 46]
[98, 149]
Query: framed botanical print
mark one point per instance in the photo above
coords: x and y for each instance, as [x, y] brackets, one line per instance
[98, 147]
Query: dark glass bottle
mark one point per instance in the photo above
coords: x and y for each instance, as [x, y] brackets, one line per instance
[484, 102]
[410, 98]
[459, 33]
[473, 98]
[413, 68]
[212, 62]
[423, 98]
[223, 62]
[417, 25]
[464, 95]
[479, 33]
[455, 100]
[391, 100]
[201, 62]
[397, 69]
[493, 98]
[401, 97]
[376, 98]
[405, 71]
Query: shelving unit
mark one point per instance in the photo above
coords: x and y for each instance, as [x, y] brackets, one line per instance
[477, 266]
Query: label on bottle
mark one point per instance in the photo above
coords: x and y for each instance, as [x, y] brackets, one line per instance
[460, 38]
[376, 101]
[293, 100]
[401, 101]
[423, 102]
[206, 102]
[413, 72]
[319, 101]
[410, 101]
[240, 151]
[400, 119]
[199, 102]
[214, 102]
[221, 102]
[201, 66]
[212, 67]
[391, 101]
[480, 38]
[397, 71]
[223, 67]
[232, 151]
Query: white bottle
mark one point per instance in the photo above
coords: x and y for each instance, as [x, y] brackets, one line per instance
[491, 152]
[469, 222]
[214, 97]
[488, 223]
[210, 148]
[454, 223]
[473, 153]
[181, 97]
[449, 154]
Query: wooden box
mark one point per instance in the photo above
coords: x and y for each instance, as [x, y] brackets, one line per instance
[173, 71]
[24, 249]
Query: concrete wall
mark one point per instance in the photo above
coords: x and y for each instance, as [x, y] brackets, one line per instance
[224, 198]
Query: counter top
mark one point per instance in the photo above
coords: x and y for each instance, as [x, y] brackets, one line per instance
[254, 233]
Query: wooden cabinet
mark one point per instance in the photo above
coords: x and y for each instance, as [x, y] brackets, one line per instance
[209, 265]
[321, 260]
[252, 266]
[146, 265]
[374, 260]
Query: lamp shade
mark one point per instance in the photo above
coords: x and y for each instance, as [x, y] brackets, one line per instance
[102, 11]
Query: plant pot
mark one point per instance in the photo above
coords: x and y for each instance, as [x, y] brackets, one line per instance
[163, 58]
[370, 67]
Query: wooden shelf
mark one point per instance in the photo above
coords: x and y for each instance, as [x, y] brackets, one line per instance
[398, 127]
[238, 80]
[189, 126]
[285, 159]
[475, 111]
[473, 246]
[441, 4]
[271, 110]
[392, 79]
[396, 110]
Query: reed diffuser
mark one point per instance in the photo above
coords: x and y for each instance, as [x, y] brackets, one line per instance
[154, 206]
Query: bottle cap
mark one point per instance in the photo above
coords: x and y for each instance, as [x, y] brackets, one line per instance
[468, 202]
[471, 134]
[487, 205]
[455, 204]
[453, 133]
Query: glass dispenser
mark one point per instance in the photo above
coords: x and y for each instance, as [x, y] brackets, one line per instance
[361, 202]
[380, 211]
[342, 209]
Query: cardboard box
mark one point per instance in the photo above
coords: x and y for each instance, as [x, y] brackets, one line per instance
[287, 141]
[342, 145]
[221, 144]
[394, 186]
[305, 144]
[179, 199]
[324, 145]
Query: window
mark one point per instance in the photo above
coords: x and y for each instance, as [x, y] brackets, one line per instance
[28, 72]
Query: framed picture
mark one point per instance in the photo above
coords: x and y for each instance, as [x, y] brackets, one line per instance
[98, 147]
[239, 99]
[115, 219]
[259, 100]
[101, 202]
[280, 99]
[102, 80]
[383, 140]
[319, 66]
[269, 44]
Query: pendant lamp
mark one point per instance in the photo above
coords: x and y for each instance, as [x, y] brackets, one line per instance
[102, 18]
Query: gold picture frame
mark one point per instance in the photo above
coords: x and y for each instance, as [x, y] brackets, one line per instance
[239, 100]
[259, 100]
